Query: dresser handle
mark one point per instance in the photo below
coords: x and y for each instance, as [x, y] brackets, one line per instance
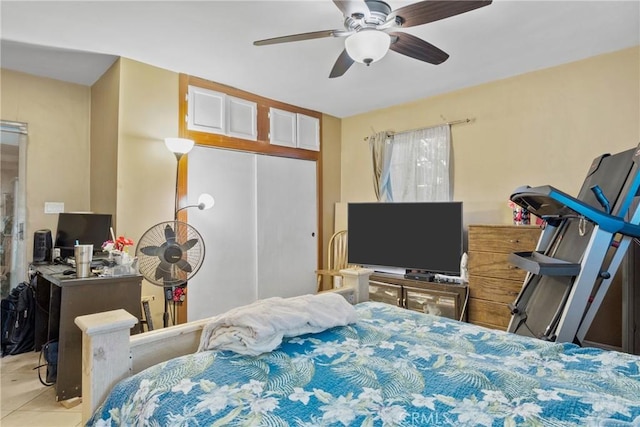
[514, 241]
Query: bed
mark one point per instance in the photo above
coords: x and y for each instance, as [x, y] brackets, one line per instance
[391, 367]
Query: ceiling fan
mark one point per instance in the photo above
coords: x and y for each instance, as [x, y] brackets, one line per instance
[370, 28]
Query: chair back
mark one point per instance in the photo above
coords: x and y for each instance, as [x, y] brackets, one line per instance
[337, 251]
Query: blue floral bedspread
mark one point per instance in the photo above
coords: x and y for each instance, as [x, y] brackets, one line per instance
[393, 367]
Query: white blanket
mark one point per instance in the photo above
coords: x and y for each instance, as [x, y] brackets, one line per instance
[259, 327]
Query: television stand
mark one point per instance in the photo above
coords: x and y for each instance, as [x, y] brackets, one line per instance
[442, 299]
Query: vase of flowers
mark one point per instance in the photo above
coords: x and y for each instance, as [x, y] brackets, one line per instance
[118, 249]
[121, 263]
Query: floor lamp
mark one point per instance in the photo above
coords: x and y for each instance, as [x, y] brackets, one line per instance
[179, 147]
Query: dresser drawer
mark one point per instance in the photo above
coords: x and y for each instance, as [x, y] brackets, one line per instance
[504, 239]
[487, 313]
[439, 303]
[386, 293]
[498, 290]
[494, 264]
[441, 299]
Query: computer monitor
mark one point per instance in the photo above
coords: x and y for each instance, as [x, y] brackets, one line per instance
[83, 228]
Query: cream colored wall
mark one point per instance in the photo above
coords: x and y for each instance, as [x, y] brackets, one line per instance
[105, 101]
[539, 128]
[125, 170]
[331, 129]
[58, 118]
[146, 169]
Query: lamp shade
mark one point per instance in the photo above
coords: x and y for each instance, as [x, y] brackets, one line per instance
[206, 201]
[179, 145]
[367, 46]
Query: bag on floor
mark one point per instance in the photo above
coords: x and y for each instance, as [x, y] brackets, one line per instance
[18, 320]
[49, 353]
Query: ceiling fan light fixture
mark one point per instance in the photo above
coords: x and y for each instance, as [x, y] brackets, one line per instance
[367, 46]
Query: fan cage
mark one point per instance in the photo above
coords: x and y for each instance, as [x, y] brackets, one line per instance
[150, 266]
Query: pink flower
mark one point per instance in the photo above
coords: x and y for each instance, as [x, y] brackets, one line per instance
[119, 245]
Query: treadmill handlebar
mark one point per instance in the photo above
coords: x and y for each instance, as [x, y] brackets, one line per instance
[549, 201]
[601, 198]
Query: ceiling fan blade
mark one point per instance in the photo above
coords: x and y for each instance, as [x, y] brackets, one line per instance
[303, 36]
[342, 64]
[188, 244]
[152, 250]
[352, 7]
[429, 11]
[417, 48]
[169, 234]
[184, 266]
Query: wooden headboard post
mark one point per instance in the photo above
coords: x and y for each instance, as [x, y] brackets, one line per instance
[355, 280]
[105, 355]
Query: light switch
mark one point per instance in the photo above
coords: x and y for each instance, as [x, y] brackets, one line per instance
[53, 207]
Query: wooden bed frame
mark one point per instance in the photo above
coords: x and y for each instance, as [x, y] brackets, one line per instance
[110, 353]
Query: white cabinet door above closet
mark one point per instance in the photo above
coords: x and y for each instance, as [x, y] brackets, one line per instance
[206, 110]
[294, 130]
[242, 118]
[216, 112]
[282, 127]
[308, 132]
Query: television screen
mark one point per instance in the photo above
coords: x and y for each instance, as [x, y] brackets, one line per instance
[406, 236]
[85, 228]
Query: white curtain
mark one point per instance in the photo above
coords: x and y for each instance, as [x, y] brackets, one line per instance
[380, 144]
[419, 167]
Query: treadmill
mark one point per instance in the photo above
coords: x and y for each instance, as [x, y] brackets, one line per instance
[579, 251]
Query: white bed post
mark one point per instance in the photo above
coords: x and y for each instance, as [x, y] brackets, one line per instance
[358, 280]
[105, 355]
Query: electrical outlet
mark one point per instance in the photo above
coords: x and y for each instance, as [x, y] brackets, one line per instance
[53, 207]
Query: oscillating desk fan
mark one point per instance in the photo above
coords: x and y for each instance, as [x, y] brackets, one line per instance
[169, 254]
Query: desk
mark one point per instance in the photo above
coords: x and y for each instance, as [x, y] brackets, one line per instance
[68, 297]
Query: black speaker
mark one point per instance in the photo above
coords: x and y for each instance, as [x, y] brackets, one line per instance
[42, 246]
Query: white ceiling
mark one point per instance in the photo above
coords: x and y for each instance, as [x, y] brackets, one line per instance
[213, 40]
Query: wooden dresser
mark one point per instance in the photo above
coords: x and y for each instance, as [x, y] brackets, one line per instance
[493, 281]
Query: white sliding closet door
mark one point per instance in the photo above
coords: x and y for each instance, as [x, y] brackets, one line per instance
[227, 277]
[261, 234]
[287, 223]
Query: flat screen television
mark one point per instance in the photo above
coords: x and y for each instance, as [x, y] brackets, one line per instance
[398, 237]
[84, 228]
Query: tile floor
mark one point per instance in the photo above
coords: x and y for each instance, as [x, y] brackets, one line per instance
[25, 402]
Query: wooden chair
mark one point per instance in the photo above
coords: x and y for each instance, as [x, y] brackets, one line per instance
[336, 260]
